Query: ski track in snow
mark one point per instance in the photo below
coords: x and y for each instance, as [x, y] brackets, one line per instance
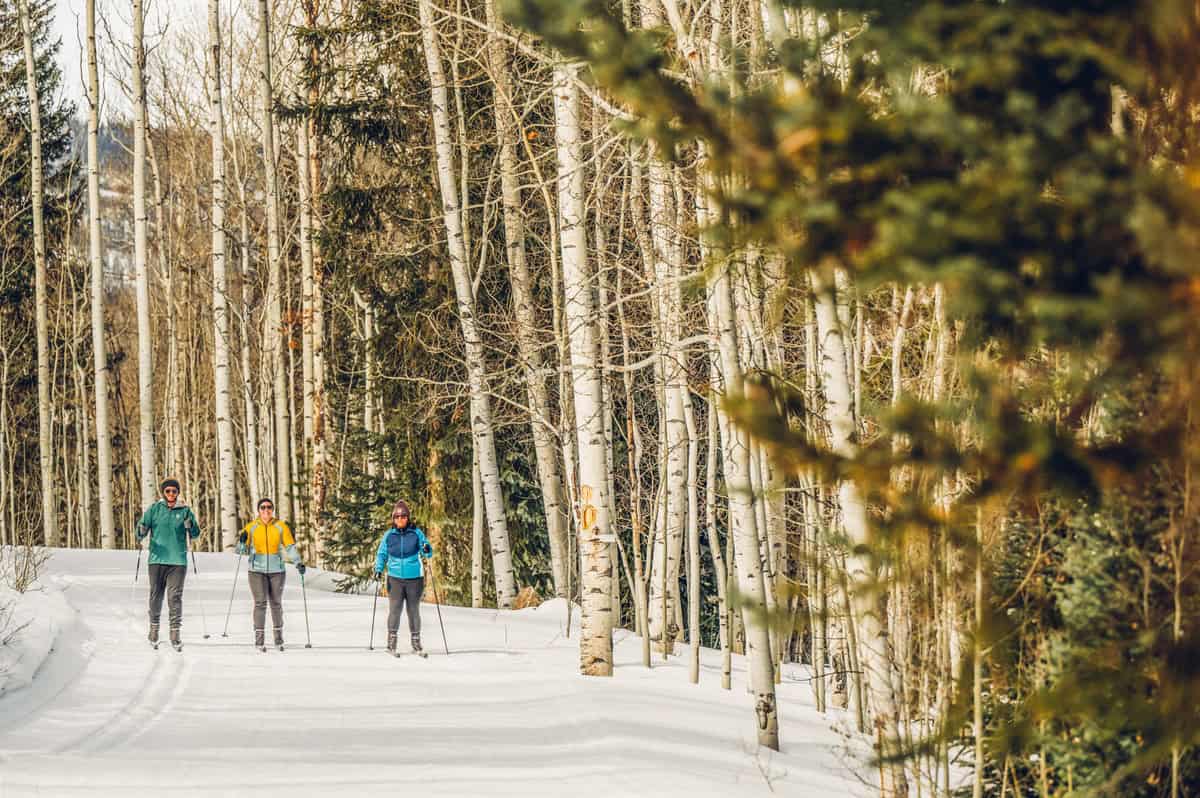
[505, 714]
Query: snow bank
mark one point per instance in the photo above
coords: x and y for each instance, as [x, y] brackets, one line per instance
[30, 625]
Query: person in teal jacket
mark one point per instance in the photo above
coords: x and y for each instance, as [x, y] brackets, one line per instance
[168, 523]
[400, 553]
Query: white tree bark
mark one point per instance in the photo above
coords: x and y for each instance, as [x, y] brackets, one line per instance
[226, 467]
[149, 480]
[476, 533]
[863, 588]
[250, 413]
[314, 314]
[667, 256]
[45, 436]
[736, 461]
[481, 411]
[549, 475]
[595, 527]
[306, 287]
[273, 341]
[108, 539]
[369, 368]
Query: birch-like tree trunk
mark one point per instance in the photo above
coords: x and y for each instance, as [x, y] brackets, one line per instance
[314, 319]
[272, 340]
[595, 527]
[735, 458]
[149, 480]
[226, 468]
[45, 434]
[250, 413]
[481, 410]
[549, 475]
[476, 533]
[863, 595]
[96, 253]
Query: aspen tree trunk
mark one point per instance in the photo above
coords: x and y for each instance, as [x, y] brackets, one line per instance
[45, 435]
[633, 434]
[311, 140]
[96, 253]
[83, 460]
[693, 539]
[595, 530]
[306, 288]
[273, 324]
[523, 304]
[819, 559]
[867, 612]
[977, 663]
[6, 473]
[220, 288]
[250, 417]
[476, 533]
[667, 273]
[369, 370]
[481, 411]
[145, 332]
[170, 402]
[660, 255]
[714, 545]
[744, 530]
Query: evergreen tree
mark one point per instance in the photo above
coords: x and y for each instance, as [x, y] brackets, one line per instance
[1039, 173]
[16, 213]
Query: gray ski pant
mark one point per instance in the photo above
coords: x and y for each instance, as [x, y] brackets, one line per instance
[167, 580]
[267, 588]
[403, 592]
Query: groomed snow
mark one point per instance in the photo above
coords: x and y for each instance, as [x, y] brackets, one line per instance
[505, 714]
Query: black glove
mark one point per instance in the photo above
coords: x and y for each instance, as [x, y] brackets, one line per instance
[242, 538]
[427, 551]
[301, 567]
[379, 576]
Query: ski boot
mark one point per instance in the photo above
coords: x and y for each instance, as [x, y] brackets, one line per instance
[260, 640]
[176, 643]
[392, 644]
[279, 638]
[153, 636]
[416, 647]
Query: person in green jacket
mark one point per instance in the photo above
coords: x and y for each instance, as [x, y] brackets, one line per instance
[167, 522]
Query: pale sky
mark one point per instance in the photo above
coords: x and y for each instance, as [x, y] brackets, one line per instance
[115, 14]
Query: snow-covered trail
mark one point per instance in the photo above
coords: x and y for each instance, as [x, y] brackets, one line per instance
[505, 714]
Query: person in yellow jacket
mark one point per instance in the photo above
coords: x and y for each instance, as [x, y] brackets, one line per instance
[266, 539]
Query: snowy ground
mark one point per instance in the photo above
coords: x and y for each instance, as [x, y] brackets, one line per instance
[505, 714]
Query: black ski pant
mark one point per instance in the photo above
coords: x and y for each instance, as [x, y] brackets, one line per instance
[167, 580]
[403, 592]
[267, 588]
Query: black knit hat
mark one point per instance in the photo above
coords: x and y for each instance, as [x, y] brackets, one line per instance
[169, 482]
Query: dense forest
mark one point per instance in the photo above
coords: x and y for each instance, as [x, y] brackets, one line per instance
[862, 335]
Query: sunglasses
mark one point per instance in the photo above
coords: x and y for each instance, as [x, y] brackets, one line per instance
[266, 507]
[170, 490]
[400, 515]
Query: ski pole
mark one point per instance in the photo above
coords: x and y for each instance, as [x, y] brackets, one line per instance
[138, 569]
[307, 630]
[374, 604]
[236, 571]
[146, 530]
[438, 605]
[187, 539]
